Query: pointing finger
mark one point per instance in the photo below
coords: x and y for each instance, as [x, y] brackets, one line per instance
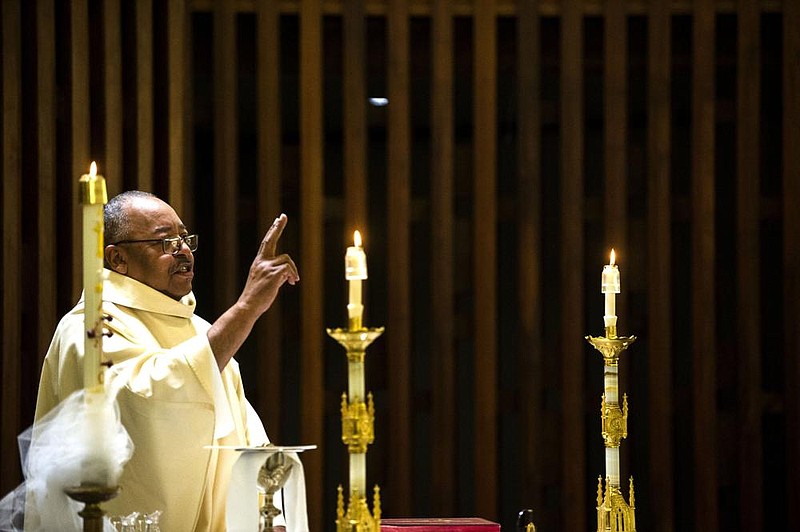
[270, 243]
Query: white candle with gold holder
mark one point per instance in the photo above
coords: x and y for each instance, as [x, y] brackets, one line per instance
[93, 198]
[358, 410]
[98, 488]
[614, 514]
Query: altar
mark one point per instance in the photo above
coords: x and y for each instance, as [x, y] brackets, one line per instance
[439, 524]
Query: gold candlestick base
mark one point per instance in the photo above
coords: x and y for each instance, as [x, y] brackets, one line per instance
[613, 513]
[92, 495]
[357, 517]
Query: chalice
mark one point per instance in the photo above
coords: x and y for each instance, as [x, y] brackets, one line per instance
[271, 477]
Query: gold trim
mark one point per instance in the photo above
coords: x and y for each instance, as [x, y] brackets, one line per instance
[357, 424]
[92, 190]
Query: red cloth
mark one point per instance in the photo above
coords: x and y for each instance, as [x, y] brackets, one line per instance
[439, 524]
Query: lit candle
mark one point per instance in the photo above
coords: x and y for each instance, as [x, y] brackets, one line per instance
[610, 287]
[355, 270]
[93, 197]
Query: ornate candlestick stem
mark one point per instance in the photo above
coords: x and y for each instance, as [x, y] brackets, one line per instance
[614, 423]
[358, 414]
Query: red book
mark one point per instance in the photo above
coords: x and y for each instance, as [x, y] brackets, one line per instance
[439, 524]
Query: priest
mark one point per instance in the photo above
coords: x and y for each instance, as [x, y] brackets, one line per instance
[181, 395]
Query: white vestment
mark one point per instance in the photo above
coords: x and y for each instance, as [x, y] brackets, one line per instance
[174, 403]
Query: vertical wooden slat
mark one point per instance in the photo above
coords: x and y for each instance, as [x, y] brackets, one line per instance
[188, 179]
[748, 90]
[268, 124]
[81, 156]
[572, 353]
[659, 281]
[485, 257]
[144, 95]
[225, 154]
[46, 158]
[311, 248]
[176, 89]
[702, 268]
[529, 248]
[112, 88]
[615, 107]
[12, 238]
[398, 326]
[354, 106]
[443, 467]
[791, 251]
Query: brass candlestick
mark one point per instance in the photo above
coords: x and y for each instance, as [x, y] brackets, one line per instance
[614, 514]
[358, 415]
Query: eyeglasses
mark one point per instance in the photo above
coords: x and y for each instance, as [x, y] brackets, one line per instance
[171, 246]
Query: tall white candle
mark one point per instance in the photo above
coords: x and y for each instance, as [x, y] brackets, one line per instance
[355, 270]
[610, 286]
[93, 197]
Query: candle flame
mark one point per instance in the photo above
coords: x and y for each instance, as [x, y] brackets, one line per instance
[93, 169]
[357, 238]
[613, 257]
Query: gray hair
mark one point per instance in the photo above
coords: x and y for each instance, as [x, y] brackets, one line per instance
[116, 220]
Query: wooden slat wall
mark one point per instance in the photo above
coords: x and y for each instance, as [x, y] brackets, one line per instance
[659, 279]
[12, 233]
[355, 123]
[529, 250]
[178, 61]
[226, 158]
[484, 256]
[572, 257]
[443, 467]
[80, 125]
[312, 208]
[47, 190]
[703, 253]
[144, 96]
[616, 130]
[398, 229]
[51, 131]
[747, 228]
[791, 250]
[187, 138]
[269, 328]
[111, 167]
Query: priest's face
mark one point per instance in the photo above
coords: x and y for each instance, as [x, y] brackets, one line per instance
[152, 219]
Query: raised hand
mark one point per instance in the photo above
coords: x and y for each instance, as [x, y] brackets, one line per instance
[267, 274]
[269, 271]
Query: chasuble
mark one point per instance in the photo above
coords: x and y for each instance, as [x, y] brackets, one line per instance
[174, 402]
